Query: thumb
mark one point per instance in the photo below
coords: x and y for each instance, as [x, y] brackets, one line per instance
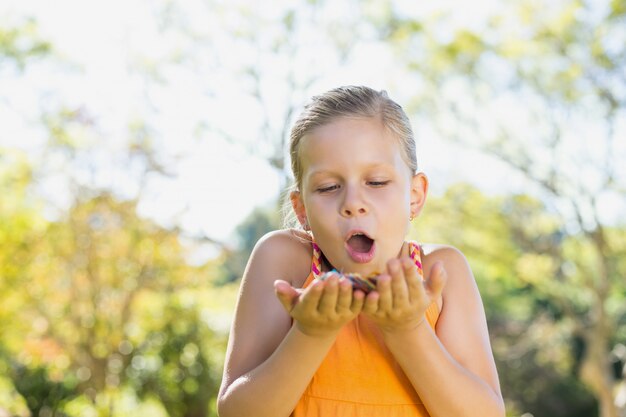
[287, 295]
[437, 279]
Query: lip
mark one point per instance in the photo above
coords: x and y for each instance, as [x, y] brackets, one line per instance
[360, 257]
[352, 232]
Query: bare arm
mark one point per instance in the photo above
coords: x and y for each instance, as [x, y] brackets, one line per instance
[453, 369]
[269, 362]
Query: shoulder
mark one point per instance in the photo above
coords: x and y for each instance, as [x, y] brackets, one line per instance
[260, 322]
[453, 259]
[460, 281]
[460, 297]
[286, 237]
[439, 251]
[287, 253]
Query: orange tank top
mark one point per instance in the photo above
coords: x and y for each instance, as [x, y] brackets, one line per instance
[359, 376]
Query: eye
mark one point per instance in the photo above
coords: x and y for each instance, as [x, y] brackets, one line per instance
[378, 183]
[328, 189]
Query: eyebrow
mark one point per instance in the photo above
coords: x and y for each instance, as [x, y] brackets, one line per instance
[372, 165]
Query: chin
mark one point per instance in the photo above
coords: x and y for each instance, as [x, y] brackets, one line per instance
[367, 270]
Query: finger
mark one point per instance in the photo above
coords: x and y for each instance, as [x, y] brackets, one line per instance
[328, 300]
[436, 280]
[405, 250]
[287, 295]
[383, 288]
[414, 282]
[370, 305]
[311, 296]
[399, 291]
[344, 299]
[358, 301]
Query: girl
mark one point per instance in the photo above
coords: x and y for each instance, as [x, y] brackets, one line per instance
[304, 342]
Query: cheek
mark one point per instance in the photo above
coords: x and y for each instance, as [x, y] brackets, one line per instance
[322, 202]
[396, 199]
[318, 212]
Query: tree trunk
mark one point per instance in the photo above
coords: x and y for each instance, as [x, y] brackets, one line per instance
[596, 372]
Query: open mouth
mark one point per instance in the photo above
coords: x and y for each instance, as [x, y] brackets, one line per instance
[361, 248]
[360, 243]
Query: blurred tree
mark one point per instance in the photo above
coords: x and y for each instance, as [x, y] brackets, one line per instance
[73, 288]
[188, 376]
[43, 396]
[70, 281]
[19, 44]
[82, 290]
[558, 67]
[21, 224]
[257, 224]
[20, 228]
[511, 243]
[20, 217]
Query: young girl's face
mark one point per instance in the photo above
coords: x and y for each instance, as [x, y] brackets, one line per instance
[357, 193]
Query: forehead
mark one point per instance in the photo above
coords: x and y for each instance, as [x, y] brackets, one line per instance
[350, 143]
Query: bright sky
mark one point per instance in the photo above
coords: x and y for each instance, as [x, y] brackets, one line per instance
[107, 48]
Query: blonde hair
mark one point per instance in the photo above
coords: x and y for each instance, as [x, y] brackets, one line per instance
[347, 101]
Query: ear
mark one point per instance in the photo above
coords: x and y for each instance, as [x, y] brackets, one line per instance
[298, 207]
[419, 190]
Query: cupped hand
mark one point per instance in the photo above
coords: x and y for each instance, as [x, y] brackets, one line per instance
[323, 307]
[402, 297]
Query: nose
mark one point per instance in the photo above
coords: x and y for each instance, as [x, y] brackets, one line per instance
[353, 203]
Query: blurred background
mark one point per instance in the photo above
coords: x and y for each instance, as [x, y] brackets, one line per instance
[142, 154]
